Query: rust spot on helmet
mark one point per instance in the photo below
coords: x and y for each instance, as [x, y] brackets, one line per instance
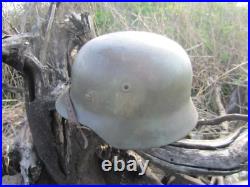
[90, 96]
[126, 104]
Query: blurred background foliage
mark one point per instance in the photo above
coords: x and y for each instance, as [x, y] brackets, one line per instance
[215, 35]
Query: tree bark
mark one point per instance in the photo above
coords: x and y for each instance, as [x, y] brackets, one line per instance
[200, 159]
[43, 61]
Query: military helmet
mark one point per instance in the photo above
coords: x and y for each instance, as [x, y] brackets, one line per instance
[133, 89]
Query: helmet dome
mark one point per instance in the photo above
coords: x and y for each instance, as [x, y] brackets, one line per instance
[133, 89]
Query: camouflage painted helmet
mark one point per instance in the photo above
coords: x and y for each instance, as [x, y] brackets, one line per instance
[133, 89]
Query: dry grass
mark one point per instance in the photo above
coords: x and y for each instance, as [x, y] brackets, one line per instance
[13, 117]
[214, 35]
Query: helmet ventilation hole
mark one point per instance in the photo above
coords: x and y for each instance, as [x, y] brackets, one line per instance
[126, 87]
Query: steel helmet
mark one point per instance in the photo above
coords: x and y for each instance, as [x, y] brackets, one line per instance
[133, 89]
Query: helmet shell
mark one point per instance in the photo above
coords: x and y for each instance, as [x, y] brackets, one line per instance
[133, 89]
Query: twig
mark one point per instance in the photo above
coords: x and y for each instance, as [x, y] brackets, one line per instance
[207, 56]
[209, 144]
[149, 173]
[194, 47]
[10, 100]
[192, 180]
[12, 88]
[236, 84]
[12, 27]
[171, 179]
[220, 106]
[120, 17]
[227, 117]
[57, 72]
[218, 179]
[229, 71]
[5, 32]
[212, 181]
[223, 75]
[43, 53]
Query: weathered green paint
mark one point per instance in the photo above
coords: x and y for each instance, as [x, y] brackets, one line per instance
[133, 89]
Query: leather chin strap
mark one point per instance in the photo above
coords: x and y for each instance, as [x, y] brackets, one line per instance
[72, 119]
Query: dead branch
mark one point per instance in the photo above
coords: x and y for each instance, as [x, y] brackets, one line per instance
[223, 161]
[12, 47]
[194, 47]
[11, 26]
[43, 53]
[81, 30]
[5, 32]
[220, 106]
[149, 173]
[190, 180]
[22, 52]
[220, 119]
[15, 43]
[209, 144]
[222, 76]
[218, 179]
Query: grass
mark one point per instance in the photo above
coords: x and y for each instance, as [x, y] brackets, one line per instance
[215, 35]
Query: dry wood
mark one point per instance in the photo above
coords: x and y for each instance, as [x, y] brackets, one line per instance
[220, 106]
[21, 52]
[210, 144]
[149, 173]
[223, 161]
[43, 53]
[220, 119]
[217, 180]
[191, 180]
[238, 99]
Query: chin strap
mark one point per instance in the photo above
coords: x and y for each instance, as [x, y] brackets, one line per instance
[72, 119]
